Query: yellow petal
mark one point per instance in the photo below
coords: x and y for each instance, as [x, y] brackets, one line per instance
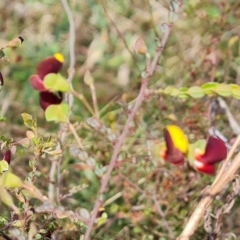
[179, 139]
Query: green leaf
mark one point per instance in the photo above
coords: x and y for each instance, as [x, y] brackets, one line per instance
[168, 89]
[209, 87]
[213, 11]
[235, 90]
[55, 82]
[196, 92]
[223, 90]
[88, 79]
[57, 113]
[101, 220]
[29, 121]
[2, 54]
[183, 93]
[174, 92]
[7, 199]
[4, 166]
[10, 180]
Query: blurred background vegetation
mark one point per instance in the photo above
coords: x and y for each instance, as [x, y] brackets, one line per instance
[203, 47]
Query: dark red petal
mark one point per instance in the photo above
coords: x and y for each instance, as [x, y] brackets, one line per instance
[49, 65]
[172, 154]
[208, 169]
[37, 83]
[169, 142]
[215, 151]
[1, 79]
[48, 98]
[7, 156]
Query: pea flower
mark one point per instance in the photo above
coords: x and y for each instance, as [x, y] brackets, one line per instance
[48, 65]
[176, 145]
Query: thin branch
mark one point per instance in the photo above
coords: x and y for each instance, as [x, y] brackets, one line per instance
[72, 39]
[51, 185]
[94, 99]
[232, 121]
[72, 35]
[73, 130]
[120, 35]
[160, 212]
[122, 137]
[83, 100]
[153, 25]
[56, 165]
[153, 197]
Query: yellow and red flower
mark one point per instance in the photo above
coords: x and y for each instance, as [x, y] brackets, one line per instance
[47, 66]
[176, 145]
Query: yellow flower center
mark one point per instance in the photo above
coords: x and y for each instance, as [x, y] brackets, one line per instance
[59, 57]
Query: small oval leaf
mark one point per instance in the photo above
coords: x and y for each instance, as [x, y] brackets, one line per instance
[235, 90]
[4, 166]
[57, 113]
[209, 87]
[196, 92]
[11, 180]
[223, 90]
[55, 82]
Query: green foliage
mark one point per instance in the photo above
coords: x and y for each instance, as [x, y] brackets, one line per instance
[65, 164]
[3, 166]
[57, 113]
[55, 82]
[210, 89]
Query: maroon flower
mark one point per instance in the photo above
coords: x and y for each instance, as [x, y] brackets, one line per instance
[48, 98]
[7, 156]
[215, 152]
[49, 65]
[1, 79]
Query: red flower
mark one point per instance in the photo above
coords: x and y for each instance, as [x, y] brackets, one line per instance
[1, 79]
[49, 65]
[215, 152]
[7, 156]
[48, 98]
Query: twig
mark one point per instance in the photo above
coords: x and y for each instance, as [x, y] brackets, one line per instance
[72, 35]
[210, 193]
[160, 212]
[73, 130]
[153, 197]
[232, 121]
[51, 185]
[94, 99]
[151, 19]
[120, 35]
[83, 100]
[56, 165]
[122, 137]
